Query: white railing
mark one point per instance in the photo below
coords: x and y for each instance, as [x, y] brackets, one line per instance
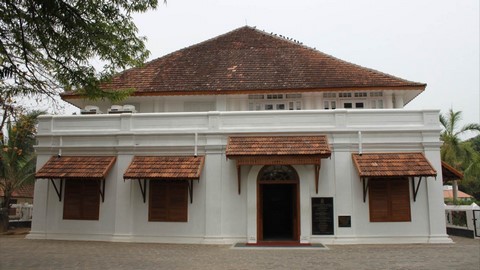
[244, 121]
[463, 219]
[23, 212]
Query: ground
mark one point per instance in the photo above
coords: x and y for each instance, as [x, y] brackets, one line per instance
[20, 253]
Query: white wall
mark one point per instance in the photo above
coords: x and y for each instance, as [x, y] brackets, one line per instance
[218, 213]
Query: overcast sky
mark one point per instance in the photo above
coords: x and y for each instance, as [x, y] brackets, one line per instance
[429, 41]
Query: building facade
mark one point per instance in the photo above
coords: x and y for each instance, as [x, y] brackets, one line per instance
[246, 137]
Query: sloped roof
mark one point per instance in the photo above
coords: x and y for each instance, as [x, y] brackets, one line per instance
[81, 167]
[248, 60]
[165, 167]
[450, 173]
[25, 191]
[392, 165]
[460, 194]
[278, 146]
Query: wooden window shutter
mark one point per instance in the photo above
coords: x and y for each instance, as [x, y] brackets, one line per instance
[81, 200]
[91, 199]
[168, 201]
[378, 200]
[72, 201]
[158, 201]
[400, 200]
[389, 200]
[178, 202]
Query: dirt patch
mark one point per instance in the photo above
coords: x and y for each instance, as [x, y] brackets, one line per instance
[15, 232]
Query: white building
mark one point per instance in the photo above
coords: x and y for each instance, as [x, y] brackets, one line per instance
[246, 137]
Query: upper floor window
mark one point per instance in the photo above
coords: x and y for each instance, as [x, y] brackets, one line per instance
[345, 95]
[275, 102]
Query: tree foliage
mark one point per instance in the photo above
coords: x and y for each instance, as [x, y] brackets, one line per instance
[47, 46]
[462, 155]
[17, 159]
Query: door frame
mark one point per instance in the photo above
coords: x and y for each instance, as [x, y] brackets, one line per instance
[296, 207]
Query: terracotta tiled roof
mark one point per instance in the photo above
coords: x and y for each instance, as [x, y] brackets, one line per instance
[248, 60]
[460, 194]
[392, 165]
[165, 168]
[450, 173]
[278, 146]
[84, 167]
[25, 191]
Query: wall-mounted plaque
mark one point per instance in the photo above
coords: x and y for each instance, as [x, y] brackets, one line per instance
[344, 221]
[322, 216]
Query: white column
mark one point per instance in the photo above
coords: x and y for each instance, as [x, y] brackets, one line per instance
[118, 196]
[251, 179]
[40, 202]
[221, 103]
[213, 189]
[388, 100]
[436, 209]
[343, 204]
[399, 103]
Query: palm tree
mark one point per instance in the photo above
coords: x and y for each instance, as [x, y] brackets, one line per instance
[458, 154]
[17, 160]
[453, 151]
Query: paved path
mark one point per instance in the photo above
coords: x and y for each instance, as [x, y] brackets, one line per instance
[19, 253]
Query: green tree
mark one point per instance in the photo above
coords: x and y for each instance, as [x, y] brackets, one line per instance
[47, 46]
[453, 150]
[17, 160]
[461, 154]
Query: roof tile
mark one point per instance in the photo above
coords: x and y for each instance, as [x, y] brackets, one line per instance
[249, 60]
[392, 165]
[82, 167]
[165, 167]
[278, 145]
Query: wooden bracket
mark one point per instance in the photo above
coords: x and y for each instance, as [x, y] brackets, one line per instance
[239, 176]
[143, 189]
[317, 176]
[365, 188]
[58, 190]
[415, 187]
[190, 190]
[102, 190]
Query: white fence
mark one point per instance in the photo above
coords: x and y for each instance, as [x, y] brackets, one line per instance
[463, 220]
[21, 212]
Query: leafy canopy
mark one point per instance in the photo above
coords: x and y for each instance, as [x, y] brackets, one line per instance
[463, 155]
[17, 157]
[47, 46]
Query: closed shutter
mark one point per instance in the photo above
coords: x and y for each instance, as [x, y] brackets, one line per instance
[158, 201]
[91, 199]
[400, 200]
[378, 200]
[389, 200]
[168, 201]
[178, 202]
[81, 200]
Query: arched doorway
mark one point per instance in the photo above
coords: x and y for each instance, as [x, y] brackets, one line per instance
[278, 201]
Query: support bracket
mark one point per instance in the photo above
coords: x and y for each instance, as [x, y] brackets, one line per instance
[317, 176]
[239, 176]
[415, 187]
[190, 190]
[58, 190]
[365, 188]
[143, 189]
[102, 189]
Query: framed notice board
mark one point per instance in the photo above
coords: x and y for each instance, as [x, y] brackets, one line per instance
[322, 216]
